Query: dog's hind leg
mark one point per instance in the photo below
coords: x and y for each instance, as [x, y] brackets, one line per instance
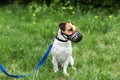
[55, 64]
[72, 63]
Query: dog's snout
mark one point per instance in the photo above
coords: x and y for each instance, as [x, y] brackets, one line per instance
[76, 37]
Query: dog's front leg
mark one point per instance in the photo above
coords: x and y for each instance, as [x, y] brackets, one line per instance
[72, 63]
[55, 64]
[65, 68]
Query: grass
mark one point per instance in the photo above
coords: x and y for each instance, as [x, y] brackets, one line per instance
[25, 35]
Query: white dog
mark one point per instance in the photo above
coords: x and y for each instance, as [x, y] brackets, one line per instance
[62, 49]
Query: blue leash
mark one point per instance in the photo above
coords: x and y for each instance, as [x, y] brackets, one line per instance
[36, 68]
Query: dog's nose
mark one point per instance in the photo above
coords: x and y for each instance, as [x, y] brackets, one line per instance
[73, 31]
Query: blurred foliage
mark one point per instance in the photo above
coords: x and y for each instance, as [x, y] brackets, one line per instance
[74, 3]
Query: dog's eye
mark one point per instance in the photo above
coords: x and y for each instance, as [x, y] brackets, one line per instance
[71, 29]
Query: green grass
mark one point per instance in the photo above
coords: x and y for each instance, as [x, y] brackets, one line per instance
[24, 39]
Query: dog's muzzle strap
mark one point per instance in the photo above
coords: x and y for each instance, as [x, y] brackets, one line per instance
[60, 39]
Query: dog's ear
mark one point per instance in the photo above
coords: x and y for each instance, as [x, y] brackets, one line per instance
[62, 26]
[72, 23]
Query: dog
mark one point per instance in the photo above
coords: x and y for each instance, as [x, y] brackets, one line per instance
[62, 48]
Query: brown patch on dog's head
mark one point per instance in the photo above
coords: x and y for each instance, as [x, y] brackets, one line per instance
[67, 28]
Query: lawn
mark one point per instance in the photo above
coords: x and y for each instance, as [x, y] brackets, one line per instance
[26, 33]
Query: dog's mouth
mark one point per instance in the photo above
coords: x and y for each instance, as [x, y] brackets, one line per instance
[74, 37]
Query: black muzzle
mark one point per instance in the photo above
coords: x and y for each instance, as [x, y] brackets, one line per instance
[75, 37]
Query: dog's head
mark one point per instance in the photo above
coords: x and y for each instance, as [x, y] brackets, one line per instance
[68, 30]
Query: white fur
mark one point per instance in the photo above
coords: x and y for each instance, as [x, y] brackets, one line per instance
[62, 54]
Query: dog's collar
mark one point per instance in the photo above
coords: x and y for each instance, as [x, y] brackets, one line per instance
[60, 39]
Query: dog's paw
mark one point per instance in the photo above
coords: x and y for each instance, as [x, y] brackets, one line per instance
[66, 74]
[73, 68]
[55, 70]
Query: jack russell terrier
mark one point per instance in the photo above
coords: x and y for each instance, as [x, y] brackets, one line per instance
[62, 49]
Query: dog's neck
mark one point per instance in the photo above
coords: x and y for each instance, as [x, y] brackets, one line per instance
[60, 37]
